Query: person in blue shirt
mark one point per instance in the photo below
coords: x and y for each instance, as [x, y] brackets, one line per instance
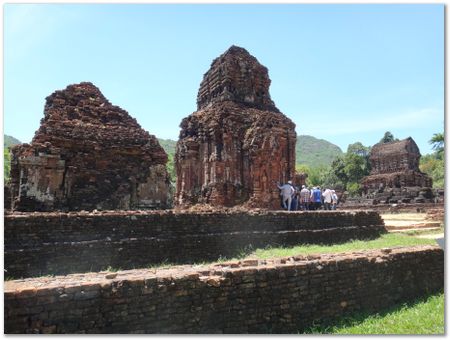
[316, 198]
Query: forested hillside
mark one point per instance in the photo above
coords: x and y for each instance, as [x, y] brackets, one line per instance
[7, 142]
[315, 152]
[10, 141]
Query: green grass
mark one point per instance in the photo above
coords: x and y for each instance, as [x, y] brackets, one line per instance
[425, 232]
[113, 269]
[423, 316]
[385, 241]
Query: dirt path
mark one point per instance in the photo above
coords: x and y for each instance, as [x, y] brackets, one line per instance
[432, 236]
[404, 222]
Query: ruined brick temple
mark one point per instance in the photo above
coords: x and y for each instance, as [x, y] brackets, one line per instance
[88, 154]
[396, 164]
[395, 176]
[237, 145]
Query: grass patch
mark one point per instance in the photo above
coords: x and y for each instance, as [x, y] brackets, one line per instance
[425, 232]
[385, 241]
[422, 316]
[161, 265]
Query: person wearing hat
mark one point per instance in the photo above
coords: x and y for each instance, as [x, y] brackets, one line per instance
[287, 191]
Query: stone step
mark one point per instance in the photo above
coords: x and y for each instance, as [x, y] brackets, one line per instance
[412, 229]
[421, 217]
[421, 225]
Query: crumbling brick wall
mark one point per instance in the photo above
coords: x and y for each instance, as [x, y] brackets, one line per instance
[59, 243]
[276, 296]
[88, 154]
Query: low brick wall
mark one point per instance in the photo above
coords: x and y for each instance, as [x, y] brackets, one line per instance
[60, 243]
[252, 296]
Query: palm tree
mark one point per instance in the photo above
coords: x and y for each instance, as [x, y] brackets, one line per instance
[437, 142]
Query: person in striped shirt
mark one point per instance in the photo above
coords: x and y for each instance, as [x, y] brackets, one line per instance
[304, 198]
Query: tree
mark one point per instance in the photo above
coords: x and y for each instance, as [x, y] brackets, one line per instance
[355, 167]
[338, 169]
[6, 164]
[353, 188]
[328, 179]
[171, 169]
[302, 168]
[347, 171]
[315, 175]
[358, 149]
[388, 137]
[437, 142]
[434, 164]
[433, 167]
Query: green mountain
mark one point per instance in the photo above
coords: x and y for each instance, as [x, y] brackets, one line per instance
[10, 141]
[315, 152]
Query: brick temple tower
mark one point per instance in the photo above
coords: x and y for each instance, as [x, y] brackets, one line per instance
[237, 145]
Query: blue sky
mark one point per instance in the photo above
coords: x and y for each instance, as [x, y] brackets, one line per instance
[343, 73]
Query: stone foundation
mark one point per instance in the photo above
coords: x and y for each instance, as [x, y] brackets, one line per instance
[254, 296]
[60, 243]
[400, 179]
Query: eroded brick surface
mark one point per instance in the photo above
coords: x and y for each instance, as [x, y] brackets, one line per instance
[88, 154]
[59, 243]
[250, 296]
[237, 145]
[395, 176]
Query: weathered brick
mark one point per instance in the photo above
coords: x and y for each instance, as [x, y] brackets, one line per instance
[263, 302]
[60, 243]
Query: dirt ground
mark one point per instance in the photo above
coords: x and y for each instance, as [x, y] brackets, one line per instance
[419, 223]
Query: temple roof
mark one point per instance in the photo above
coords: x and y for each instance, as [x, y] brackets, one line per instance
[404, 146]
[236, 76]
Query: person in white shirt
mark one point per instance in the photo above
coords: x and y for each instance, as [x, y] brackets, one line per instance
[327, 198]
[334, 200]
[287, 191]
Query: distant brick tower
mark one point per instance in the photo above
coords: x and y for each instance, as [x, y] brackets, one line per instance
[395, 165]
[237, 145]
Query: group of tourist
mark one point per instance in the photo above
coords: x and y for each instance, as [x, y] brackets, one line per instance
[294, 198]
